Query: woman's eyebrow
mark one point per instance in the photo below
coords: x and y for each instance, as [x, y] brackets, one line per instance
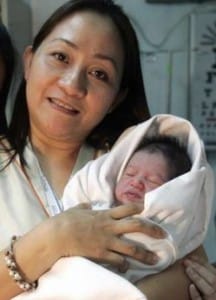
[108, 58]
[69, 43]
[97, 55]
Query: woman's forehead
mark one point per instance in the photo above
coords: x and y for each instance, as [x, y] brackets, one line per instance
[86, 21]
[91, 31]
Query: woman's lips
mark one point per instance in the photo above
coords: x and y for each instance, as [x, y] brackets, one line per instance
[62, 106]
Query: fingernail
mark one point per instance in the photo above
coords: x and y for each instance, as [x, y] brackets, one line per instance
[161, 234]
[123, 268]
[155, 258]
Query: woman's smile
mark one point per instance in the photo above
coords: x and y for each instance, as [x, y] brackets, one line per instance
[63, 107]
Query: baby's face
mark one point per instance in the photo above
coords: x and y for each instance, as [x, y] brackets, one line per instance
[144, 172]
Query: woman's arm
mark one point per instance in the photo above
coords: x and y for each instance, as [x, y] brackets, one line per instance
[69, 233]
[172, 283]
[34, 254]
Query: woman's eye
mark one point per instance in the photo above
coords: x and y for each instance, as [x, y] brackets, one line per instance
[101, 75]
[61, 57]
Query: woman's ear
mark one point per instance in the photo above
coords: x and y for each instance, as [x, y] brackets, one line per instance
[27, 60]
[119, 99]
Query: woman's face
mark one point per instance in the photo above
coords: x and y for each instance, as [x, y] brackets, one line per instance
[73, 78]
[2, 73]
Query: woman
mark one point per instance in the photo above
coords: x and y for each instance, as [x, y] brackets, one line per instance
[7, 63]
[203, 277]
[83, 86]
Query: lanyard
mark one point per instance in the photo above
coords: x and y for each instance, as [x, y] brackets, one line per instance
[53, 205]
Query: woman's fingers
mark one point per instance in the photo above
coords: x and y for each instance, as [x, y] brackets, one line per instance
[194, 293]
[203, 270]
[125, 249]
[203, 275]
[116, 260]
[207, 268]
[83, 206]
[135, 224]
[133, 250]
[126, 210]
[200, 281]
[77, 226]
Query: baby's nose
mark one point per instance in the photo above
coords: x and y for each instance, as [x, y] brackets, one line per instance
[138, 183]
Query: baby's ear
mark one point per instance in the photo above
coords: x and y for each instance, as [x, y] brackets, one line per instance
[27, 60]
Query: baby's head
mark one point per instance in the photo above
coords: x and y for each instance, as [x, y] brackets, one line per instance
[155, 161]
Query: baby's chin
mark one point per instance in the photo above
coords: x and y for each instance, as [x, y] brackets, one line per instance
[128, 200]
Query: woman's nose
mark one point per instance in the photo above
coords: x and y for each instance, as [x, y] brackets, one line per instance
[74, 83]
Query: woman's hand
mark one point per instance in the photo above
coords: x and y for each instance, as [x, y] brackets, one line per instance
[80, 231]
[203, 276]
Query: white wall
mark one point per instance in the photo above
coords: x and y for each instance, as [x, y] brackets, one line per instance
[17, 16]
[165, 33]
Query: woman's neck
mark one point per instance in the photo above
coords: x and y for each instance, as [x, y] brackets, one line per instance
[56, 160]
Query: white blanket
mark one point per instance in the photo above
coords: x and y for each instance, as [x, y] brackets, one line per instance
[80, 279]
[181, 206]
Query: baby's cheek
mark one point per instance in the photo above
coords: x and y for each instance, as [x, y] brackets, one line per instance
[117, 192]
[150, 187]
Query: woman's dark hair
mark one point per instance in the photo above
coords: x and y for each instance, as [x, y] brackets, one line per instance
[131, 110]
[172, 150]
[7, 55]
